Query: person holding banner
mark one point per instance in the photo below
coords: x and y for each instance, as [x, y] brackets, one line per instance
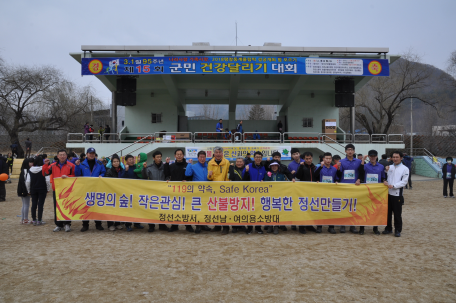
[218, 169]
[60, 169]
[397, 176]
[129, 173]
[277, 157]
[274, 174]
[306, 173]
[374, 172]
[254, 172]
[115, 171]
[349, 168]
[90, 167]
[155, 172]
[327, 174]
[294, 165]
[176, 172]
[235, 174]
[198, 172]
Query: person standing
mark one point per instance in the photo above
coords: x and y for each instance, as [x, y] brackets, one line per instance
[349, 167]
[60, 169]
[3, 169]
[115, 171]
[9, 163]
[240, 130]
[86, 130]
[90, 167]
[374, 172]
[219, 129]
[107, 132]
[397, 178]
[254, 172]
[91, 131]
[198, 172]
[448, 172]
[384, 161]
[22, 190]
[326, 173]
[294, 165]
[306, 173]
[218, 169]
[28, 148]
[247, 159]
[235, 175]
[407, 161]
[176, 172]
[38, 186]
[14, 148]
[155, 172]
[101, 132]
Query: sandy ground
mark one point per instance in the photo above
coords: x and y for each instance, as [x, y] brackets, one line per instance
[37, 265]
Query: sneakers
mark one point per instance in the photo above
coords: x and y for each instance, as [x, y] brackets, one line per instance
[445, 196]
[112, 228]
[162, 227]
[258, 230]
[398, 234]
[67, 227]
[151, 228]
[189, 228]
[34, 222]
[270, 229]
[206, 228]
[119, 226]
[99, 227]
[353, 229]
[38, 223]
[197, 229]
[138, 226]
[302, 229]
[217, 228]
[331, 230]
[293, 227]
[57, 228]
[234, 229]
[26, 221]
[342, 229]
[385, 232]
[225, 230]
[129, 228]
[283, 228]
[173, 228]
[318, 230]
[84, 228]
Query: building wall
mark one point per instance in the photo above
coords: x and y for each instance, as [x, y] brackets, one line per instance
[320, 107]
[138, 118]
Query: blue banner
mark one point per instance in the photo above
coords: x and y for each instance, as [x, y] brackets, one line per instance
[259, 65]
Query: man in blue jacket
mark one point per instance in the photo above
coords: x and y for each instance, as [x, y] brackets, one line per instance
[407, 161]
[219, 129]
[90, 167]
[350, 167]
[198, 172]
[254, 172]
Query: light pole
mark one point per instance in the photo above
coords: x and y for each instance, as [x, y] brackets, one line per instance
[411, 126]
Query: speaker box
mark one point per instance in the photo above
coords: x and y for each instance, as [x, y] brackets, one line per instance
[126, 99]
[345, 86]
[345, 100]
[126, 84]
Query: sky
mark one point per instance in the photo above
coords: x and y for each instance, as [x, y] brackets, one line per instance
[45, 32]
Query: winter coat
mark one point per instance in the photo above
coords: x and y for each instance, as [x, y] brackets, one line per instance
[219, 171]
[197, 171]
[154, 172]
[112, 173]
[55, 170]
[255, 173]
[86, 129]
[176, 171]
[274, 177]
[283, 169]
[235, 173]
[445, 170]
[22, 190]
[306, 173]
[83, 169]
[36, 183]
[140, 165]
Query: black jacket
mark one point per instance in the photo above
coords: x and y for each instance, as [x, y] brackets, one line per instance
[21, 187]
[176, 171]
[283, 169]
[112, 173]
[38, 183]
[306, 173]
[444, 171]
[235, 173]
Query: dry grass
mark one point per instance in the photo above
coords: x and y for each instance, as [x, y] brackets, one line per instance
[37, 265]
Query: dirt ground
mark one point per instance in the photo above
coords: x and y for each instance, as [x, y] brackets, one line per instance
[38, 265]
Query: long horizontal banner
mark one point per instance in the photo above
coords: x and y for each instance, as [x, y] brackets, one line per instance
[234, 65]
[221, 203]
[231, 153]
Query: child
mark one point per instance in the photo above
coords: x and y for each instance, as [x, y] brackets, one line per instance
[37, 186]
[22, 190]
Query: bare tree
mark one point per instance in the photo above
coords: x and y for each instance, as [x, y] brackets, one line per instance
[378, 102]
[38, 98]
[256, 112]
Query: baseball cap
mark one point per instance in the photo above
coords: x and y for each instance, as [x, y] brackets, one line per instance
[91, 150]
[273, 163]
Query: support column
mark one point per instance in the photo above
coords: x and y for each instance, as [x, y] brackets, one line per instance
[113, 113]
[352, 123]
[232, 121]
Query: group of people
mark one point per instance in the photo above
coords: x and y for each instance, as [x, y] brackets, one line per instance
[37, 177]
[89, 130]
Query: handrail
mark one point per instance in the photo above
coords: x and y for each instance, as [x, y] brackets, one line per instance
[260, 139]
[301, 137]
[363, 141]
[77, 134]
[173, 134]
[331, 139]
[380, 136]
[326, 143]
[110, 140]
[207, 136]
[401, 135]
[120, 151]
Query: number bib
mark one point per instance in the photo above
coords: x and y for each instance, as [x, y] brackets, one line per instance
[448, 175]
[372, 178]
[327, 179]
[349, 175]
